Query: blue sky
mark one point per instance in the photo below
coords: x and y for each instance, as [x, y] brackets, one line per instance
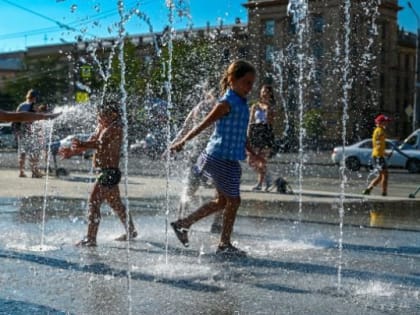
[37, 22]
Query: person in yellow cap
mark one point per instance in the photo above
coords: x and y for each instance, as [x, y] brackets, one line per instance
[379, 154]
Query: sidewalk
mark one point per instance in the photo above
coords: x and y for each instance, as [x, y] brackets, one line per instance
[319, 199]
[300, 259]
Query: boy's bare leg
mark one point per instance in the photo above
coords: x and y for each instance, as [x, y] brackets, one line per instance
[94, 217]
[22, 158]
[114, 199]
[34, 167]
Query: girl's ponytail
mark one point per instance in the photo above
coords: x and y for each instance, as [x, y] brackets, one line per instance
[236, 70]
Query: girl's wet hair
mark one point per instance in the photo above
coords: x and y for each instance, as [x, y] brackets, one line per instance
[269, 87]
[236, 70]
[32, 93]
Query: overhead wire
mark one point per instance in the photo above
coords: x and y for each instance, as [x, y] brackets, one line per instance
[60, 26]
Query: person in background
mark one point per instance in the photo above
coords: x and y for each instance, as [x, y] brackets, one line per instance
[379, 155]
[261, 135]
[27, 144]
[40, 132]
[107, 141]
[220, 160]
[194, 117]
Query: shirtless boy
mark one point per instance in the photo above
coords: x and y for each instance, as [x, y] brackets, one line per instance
[107, 141]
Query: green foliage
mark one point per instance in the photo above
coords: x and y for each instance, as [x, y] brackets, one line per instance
[193, 61]
[314, 124]
[48, 75]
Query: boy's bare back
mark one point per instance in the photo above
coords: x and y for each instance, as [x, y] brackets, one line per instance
[108, 152]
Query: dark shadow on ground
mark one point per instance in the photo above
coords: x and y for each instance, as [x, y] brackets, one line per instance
[257, 262]
[280, 288]
[21, 307]
[310, 268]
[104, 269]
[402, 250]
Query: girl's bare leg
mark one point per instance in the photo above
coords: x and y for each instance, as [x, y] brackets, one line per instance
[229, 216]
[203, 211]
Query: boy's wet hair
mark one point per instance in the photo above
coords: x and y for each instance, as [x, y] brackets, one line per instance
[110, 104]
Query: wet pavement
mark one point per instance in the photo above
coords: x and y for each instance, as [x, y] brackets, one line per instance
[299, 260]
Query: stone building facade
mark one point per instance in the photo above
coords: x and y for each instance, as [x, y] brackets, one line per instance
[340, 73]
[358, 44]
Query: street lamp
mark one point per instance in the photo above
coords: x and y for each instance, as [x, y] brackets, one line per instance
[416, 84]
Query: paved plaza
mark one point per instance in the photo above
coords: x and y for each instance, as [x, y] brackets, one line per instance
[299, 260]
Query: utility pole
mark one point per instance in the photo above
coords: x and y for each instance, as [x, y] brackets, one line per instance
[416, 107]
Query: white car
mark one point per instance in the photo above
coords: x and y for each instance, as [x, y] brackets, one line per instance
[406, 155]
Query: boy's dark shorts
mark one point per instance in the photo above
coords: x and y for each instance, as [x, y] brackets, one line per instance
[380, 163]
[109, 177]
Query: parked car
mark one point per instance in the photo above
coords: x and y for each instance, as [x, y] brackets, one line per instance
[7, 137]
[406, 155]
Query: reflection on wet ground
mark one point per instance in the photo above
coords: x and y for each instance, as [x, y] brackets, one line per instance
[30, 209]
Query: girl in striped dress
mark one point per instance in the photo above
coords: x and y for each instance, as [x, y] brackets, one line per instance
[220, 160]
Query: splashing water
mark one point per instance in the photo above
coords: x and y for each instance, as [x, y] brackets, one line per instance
[346, 87]
[44, 207]
[298, 10]
[168, 88]
[279, 73]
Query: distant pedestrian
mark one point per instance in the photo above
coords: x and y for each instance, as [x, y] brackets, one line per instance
[27, 141]
[261, 136]
[379, 155]
[196, 147]
[220, 159]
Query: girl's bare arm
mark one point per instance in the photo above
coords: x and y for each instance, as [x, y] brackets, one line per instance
[218, 111]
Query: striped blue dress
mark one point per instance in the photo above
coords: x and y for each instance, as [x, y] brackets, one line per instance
[220, 160]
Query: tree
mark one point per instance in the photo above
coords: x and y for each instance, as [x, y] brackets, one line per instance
[314, 126]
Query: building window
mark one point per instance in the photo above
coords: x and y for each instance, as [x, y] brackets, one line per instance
[269, 28]
[318, 23]
[318, 50]
[269, 53]
[243, 52]
[292, 26]
[226, 55]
